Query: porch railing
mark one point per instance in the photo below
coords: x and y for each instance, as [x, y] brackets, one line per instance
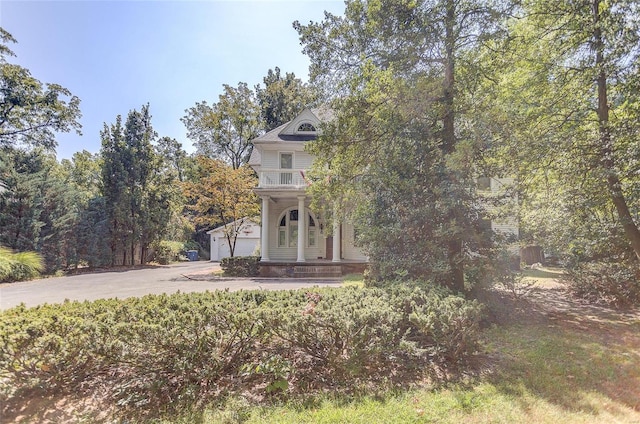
[282, 178]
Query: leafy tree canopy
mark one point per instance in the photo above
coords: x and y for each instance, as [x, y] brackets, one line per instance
[222, 195]
[31, 112]
[225, 129]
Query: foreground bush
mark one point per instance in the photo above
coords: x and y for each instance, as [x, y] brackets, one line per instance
[159, 353]
[19, 266]
[616, 284]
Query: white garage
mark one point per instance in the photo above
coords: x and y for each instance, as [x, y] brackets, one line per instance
[247, 241]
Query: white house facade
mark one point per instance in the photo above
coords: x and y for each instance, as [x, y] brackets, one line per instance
[291, 232]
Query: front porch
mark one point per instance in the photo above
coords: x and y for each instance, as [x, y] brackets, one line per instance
[311, 268]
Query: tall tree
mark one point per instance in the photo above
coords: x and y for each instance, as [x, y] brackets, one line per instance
[282, 98]
[173, 156]
[38, 212]
[30, 112]
[223, 196]
[392, 67]
[138, 199]
[114, 189]
[225, 129]
[570, 107]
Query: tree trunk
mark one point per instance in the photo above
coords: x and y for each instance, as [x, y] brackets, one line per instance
[455, 248]
[613, 182]
[531, 255]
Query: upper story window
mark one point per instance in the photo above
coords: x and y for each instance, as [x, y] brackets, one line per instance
[286, 162]
[306, 127]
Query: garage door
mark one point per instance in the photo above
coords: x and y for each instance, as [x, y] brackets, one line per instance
[244, 247]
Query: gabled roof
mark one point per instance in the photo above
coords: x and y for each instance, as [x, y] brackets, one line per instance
[288, 132]
[256, 158]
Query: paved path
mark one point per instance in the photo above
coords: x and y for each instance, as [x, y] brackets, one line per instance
[184, 277]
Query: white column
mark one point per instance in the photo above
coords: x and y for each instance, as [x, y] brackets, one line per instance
[264, 229]
[302, 228]
[336, 237]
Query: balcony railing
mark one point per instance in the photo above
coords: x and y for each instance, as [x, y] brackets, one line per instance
[282, 178]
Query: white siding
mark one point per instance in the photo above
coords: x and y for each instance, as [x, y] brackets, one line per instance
[270, 159]
[247, 243]
[303, 160]
[349, 250]
[508, 224]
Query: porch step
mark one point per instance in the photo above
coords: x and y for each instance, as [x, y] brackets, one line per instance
[317, 271]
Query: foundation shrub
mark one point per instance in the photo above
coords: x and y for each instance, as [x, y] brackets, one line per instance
[240, 266]
[615, 284]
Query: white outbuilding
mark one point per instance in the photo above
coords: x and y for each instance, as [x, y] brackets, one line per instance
[247, 241]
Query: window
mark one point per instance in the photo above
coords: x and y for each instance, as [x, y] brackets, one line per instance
[286, 162]
[306, 127]
[288, 230]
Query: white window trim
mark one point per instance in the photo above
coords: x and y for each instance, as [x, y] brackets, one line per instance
[287, 242]
[299, 124]
[293, 159]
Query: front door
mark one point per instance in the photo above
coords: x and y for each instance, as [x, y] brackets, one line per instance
[329, 246]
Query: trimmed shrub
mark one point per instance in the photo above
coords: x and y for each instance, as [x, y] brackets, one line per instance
[240, 266]
[158, 353]
[615, 284]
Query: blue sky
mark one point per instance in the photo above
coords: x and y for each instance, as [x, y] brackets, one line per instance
[118, 55]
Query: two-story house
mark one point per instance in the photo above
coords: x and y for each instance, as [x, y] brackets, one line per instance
[294, 240]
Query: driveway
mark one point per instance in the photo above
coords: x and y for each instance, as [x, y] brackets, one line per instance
[185, 277]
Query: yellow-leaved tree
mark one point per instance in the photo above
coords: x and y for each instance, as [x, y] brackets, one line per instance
[221, 195]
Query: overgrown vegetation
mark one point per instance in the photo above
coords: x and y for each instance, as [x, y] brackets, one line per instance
[164, 353]
[616, 284]
[19, 266]
[166, 252]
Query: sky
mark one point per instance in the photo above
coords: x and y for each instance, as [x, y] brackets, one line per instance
[119, 55]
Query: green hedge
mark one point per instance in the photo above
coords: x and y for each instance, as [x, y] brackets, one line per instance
[241, 266]
[159, 353]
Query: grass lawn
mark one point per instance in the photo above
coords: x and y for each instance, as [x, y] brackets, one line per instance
[538, 373]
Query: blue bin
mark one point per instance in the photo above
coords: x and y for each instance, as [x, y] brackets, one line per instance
[192, 255]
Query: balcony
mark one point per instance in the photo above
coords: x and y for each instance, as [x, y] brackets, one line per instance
[282, 179]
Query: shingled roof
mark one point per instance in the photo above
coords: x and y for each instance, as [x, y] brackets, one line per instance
[323, 114]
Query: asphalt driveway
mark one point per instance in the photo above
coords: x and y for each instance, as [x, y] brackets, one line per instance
[184, 277]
